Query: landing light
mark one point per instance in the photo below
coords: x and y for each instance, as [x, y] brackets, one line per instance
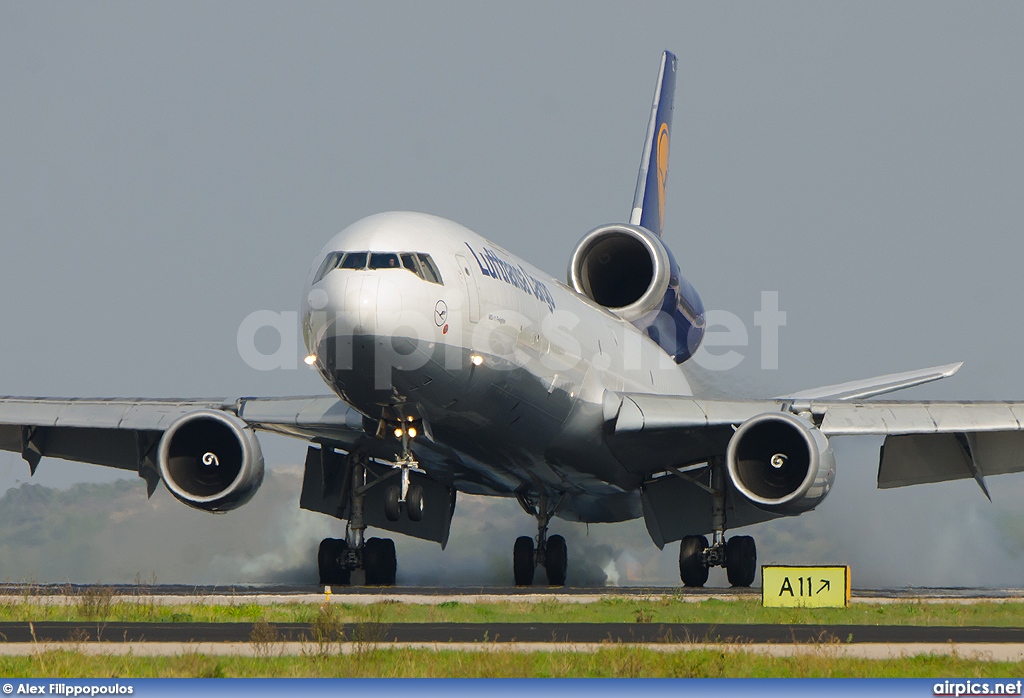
[398, 433]
[476, 359]
[412, 432]
[310, 360]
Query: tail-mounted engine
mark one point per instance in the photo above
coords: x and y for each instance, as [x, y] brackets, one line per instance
[630, 271]
[211, 460]
[781, 463]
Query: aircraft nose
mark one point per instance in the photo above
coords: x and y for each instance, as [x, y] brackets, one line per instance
[363, 304]
[376, 303]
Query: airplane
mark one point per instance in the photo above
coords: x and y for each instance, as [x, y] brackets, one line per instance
[456, 366]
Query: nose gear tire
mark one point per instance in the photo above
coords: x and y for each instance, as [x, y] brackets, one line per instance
[414, 503]
[392, 507]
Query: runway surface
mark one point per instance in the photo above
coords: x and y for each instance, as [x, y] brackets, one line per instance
[173, 594]
[503, 633]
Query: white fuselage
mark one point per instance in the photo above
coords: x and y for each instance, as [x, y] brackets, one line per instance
[506, 366]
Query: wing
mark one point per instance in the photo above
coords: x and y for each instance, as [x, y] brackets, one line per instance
[669, 439]
[924, 441]
[124, 433]
[933, 441]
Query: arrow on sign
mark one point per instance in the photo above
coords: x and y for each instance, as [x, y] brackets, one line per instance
[825, 584]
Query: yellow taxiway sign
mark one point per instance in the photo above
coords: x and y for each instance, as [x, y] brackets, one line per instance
[812, 586]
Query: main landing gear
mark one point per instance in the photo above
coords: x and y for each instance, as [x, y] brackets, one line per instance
[738, 555]
[548, 552]
[375, 556]
[337, 558]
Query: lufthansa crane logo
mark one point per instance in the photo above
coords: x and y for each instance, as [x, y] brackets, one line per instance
[440, 313]
[662, 171]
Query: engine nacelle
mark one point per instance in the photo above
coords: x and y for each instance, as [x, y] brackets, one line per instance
[630, 271]
[781, 463]
[211, 460]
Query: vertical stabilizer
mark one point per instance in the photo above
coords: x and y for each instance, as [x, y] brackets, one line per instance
[649, 202]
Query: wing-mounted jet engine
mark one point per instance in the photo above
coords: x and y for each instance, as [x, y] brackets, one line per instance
[781, 463]
[630, 271]
[211, 460]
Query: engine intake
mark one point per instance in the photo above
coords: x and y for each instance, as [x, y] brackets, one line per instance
[211, 460]
[630, 271]
[622, 268]
[781, 463]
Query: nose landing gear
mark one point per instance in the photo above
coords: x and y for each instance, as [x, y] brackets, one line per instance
[405, 497]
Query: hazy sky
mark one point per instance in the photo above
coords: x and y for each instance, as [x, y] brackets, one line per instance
[168, 168]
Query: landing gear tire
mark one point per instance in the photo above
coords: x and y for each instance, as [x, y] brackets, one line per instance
[522, 561]
[556, 560]
[740, 560]
[414, 503]
[392, 505]
[693, 568]
[329, 562]
[380, 562]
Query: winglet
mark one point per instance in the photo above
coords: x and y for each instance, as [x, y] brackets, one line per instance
[856, 390]
[649, 200]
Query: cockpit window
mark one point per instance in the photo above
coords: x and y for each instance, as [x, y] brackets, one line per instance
[354, 260]
[418, 263]
[410, 263]
[430, 272]
[330, 264]
[384, 260]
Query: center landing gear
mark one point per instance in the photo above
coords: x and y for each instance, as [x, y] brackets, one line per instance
[549, 552]
[375, 556]
[738, 555]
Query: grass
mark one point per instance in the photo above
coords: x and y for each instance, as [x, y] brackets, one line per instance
[321, 656]
[611, 662]
[98, 605]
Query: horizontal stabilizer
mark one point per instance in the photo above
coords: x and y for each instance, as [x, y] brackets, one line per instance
[869, 387]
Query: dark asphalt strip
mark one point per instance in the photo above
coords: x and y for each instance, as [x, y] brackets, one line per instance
[506, 632]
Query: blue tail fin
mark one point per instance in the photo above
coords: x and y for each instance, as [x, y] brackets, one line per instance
[649, 202]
